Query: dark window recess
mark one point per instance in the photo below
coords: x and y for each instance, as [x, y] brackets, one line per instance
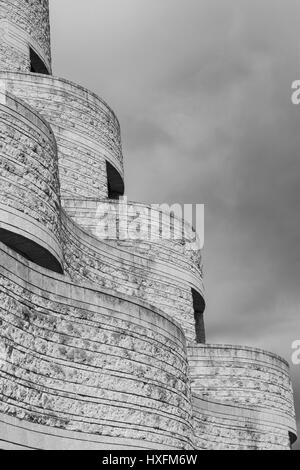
[115, 183]
[293, 439]
[36, 63]
[199, 307]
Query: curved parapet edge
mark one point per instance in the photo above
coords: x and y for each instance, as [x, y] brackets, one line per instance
[158, 274]
[243, 397]
[138, 227]
[30, 210]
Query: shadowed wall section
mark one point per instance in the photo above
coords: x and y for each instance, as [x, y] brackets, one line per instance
[199, 308]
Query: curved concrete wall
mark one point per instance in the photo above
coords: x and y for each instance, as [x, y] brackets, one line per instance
[229, 427]
[255, 388]
[29, 191]
[97, 358]
[75, 115]
[161, 274]
[183, 240]
[86, 130]
[24, 24]
[80, 360]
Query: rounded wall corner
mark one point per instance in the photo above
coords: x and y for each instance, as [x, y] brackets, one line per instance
[30, 207]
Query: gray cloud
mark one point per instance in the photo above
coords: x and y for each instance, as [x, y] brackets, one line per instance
[202, 90]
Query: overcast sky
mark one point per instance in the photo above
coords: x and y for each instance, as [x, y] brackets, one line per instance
[202, 90]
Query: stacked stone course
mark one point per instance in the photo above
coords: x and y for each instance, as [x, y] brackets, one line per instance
[97, 337]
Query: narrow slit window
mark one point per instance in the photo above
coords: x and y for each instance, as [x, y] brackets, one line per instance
[36, 63]
[115, 185]
[199, 307]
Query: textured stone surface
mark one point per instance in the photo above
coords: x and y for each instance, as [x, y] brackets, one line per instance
[254, 388]
[161, 273]
[83, 360]
[230, 427]
[29, 190]
[24, 23]
[86, 130]
[96, 358]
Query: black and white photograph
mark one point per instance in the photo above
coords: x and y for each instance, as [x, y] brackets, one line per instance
[149, 228]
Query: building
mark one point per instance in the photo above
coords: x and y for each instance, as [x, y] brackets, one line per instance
[102, 342]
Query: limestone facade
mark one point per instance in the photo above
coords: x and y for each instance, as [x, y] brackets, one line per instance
[99, 347]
